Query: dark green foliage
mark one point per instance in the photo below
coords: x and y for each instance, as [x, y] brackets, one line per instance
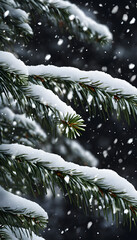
[72, 125]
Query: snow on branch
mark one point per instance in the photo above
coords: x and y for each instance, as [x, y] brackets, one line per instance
[45, 96]
[104, 80]
[106, 182]
[14, 22]
[53, 161]
[71, 123]
[99, 89]
[25, 28]
[64, 12]
[34, 127]
[17, 232]
[48, 98]
[16, 13]
[12, 64]
[105, 90]
[77, 16]
[15, 203]
[16, 211]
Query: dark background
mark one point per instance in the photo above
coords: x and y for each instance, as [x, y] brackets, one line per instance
[109, 142]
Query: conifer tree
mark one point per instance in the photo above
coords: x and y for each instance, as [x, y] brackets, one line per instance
[32, 108]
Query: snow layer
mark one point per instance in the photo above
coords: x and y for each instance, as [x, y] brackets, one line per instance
[17, 13]
[76, 75]
[21, 118]
[109, 178]
[85, 22]
[26, 27]
[47, 97]
[14, 202]
[13, 64]
[24, 233]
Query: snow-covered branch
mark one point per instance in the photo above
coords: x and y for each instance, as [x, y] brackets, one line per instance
[106, 183]
[104, 80]
[16, 203]
[107, 92]
[110, 179]
[77, 17]
[17, 232]
[21, 119]
[31, 93]
[19, 212]
[38, 96]
[14, 22]
[10, 63]
[48, 98]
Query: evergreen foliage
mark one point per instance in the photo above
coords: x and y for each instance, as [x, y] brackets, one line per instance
[30, 109]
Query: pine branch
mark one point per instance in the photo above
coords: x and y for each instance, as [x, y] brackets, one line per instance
[48, 98]
[111, 191]
[103, 88]
[18, 172]
[21, 213]
[29, 95]
[71, 18]
[19, 128]
[7, 234]
[107, 93]
[18, 219]
[14, 23]
[47, 117]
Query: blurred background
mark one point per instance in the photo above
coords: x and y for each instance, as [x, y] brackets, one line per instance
[112, 142]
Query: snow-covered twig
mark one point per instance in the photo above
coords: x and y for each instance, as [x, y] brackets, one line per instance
[24, 206]
[75, 13]
[12, 64]
[9, 115]
[48, 98]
